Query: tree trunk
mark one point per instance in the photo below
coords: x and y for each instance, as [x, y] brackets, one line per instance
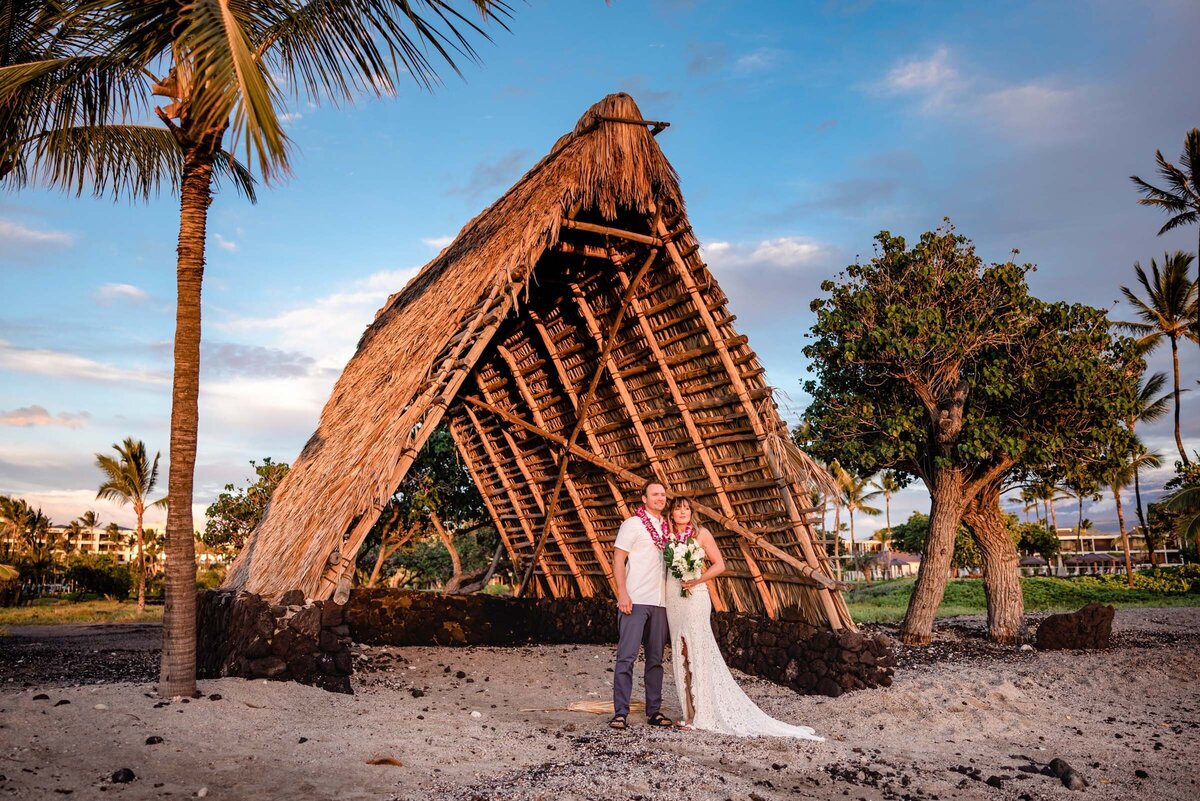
[141, 557]
[1178, 438]
[1079, 528]
[1001, 567]
[1137, 494]
[1053, 519]
[887, 542]
[837, 539]
[854, 563]
[178, 669]
[1124, 537]
[448, 541]
[945, 512]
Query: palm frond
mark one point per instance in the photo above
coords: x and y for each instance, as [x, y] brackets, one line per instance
[228, 168]
[134, 161]
[1187, 218]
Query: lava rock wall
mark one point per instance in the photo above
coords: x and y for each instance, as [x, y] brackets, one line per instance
[244, 635]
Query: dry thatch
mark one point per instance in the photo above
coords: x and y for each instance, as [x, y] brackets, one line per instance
[573, 315]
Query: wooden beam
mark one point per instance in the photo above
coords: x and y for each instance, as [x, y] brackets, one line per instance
[643, 239]
[534, 486]
[465, 451]
[836, 612]
[585, 403]
[534, 490]
[633, 478]
[494, 458]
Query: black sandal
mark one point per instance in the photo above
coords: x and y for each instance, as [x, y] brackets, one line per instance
[618, 722]
[660, 720]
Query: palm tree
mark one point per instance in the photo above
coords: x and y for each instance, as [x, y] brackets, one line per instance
[1166, 312]
[839, 475]
[129, 480]
[91, 521]
[1187, 500]
[1118, 478]
[856, 497]
[888, 485]
[113, 532]
[1181, 198]
[229, 70]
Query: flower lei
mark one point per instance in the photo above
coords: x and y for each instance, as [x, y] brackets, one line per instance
[660, 536]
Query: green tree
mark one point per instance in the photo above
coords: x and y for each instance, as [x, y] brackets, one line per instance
[857, 499]
[1167, 312]
[129, 479]
[237, 512]
[1035, 539]
[911, 536]
[1151, 405]
[932, 363]
[1181, 198]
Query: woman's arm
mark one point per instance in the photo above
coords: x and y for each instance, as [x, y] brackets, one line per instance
[716, 563]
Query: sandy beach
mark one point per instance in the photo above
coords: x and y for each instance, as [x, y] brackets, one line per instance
[964, 719]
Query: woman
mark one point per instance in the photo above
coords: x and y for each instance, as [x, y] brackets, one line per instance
[709, 696]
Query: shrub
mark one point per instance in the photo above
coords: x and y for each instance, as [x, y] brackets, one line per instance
[102, 576]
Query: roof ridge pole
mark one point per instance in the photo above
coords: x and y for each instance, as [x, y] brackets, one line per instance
[494, 458]
[464, 450]
[837, 614]
[564, 380]
[586, 402]
[587, 589]
[769, 602]
[535, 489]
[816, 577]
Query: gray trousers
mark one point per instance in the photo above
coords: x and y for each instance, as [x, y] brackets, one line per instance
[644, 627]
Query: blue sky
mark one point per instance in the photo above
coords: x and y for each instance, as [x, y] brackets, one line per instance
[799, 131]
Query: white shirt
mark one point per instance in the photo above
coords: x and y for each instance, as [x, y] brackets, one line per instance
[645, 580]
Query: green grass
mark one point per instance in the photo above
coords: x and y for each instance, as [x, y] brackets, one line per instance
[886, 601]
[53, 610]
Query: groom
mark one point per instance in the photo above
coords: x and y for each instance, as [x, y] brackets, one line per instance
[641, 604]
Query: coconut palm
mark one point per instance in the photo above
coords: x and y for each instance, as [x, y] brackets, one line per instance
[1151, 406]
[128, 480]
[856, 499]
[228, 69]
[1119, 477]
[1187, 500]
[1181, 198]
[888, 485]
[91, 521]
[839, 476]
[1166, 312]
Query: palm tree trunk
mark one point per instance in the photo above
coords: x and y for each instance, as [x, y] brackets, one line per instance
[1124, 536]
[945, 512]
[178, 669]
[141, 557]
[887, 558]
[1137, 494]
[1053, 519]
[837, 539]
[1178, 438]
[1079, 527]
[853, 544]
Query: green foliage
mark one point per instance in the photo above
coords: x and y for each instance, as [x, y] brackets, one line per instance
[1034, 538]
[900, 338]
[101, 575]
[910, 537]
[237, 511]
[211, 578]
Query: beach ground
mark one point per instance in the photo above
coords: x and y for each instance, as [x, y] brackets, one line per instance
[963, 719]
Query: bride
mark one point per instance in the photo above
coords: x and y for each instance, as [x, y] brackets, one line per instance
[708, 694]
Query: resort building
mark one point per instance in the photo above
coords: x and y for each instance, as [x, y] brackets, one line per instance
[1101, 552]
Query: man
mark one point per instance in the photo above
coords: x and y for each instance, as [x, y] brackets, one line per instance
[641, 603]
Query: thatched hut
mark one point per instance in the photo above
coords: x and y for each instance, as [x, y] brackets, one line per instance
[576, 345]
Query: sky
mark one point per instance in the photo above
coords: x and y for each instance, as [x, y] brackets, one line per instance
[799, 130]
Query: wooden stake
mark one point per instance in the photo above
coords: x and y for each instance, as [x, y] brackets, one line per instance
[586, 402]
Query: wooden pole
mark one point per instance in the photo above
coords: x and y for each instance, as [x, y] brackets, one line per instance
[816, 577]
[586, 402]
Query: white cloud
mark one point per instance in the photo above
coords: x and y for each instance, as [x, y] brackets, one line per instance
[785, 252]
[63, 506]
[1037, 111]
[757, 61]
[437, 242]
[111, 293]
[225, 244]
[60, 364]
[17, 235]
[28, 416]
[327, 328]
[290, 117]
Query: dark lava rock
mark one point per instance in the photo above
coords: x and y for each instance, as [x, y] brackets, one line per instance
[1141, 774]
[61, 701]
[302, 740]
[995, 781]
[41, 697]
[153, 740]
[460, 675]
[416, 692]
[292, 598]
[123, 776]
[1090, 627]
[215, 697]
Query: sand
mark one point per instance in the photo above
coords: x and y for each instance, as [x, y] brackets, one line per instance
[957, 715]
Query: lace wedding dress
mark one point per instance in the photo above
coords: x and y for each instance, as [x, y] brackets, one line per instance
[717, 701]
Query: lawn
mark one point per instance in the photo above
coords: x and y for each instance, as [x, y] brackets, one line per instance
[886, 601]
[55, 610]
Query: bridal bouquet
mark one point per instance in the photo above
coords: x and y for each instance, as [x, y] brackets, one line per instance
[685, 560]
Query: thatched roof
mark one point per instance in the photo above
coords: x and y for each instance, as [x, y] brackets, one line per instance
[502, 336]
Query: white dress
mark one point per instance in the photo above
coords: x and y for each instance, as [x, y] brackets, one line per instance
[718, 702]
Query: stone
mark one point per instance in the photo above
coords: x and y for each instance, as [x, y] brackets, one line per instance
[829, 687]
[267, 667]
[333, 614]
[342, 662]
[215, 697]
[292, 598]
[328, 641]
[995, 781]
[41, 697]
[1087, 628]
[307, 622]
[61, 702]
[259, 646]
[123, 776]
[1141, 774]
[153, 740]
[282, 643]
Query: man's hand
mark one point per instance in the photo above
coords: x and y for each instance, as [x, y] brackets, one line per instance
[625, 603]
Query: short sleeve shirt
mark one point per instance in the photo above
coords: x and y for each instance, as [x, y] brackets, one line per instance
[645, 580]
